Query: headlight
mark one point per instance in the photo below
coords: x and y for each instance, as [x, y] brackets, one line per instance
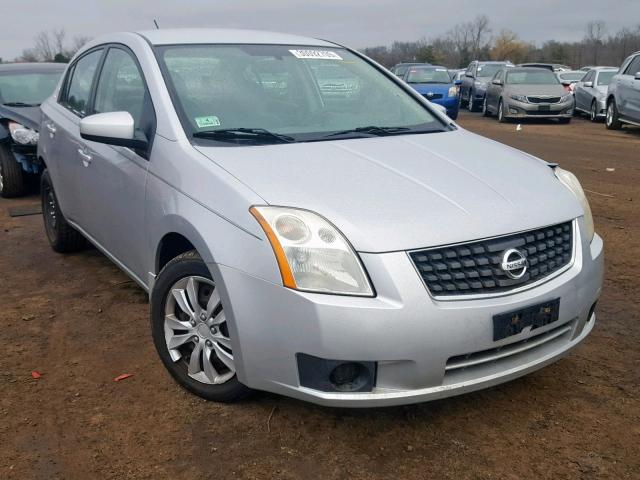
[519, 98]
[571, 182]
[453, 91]
[311, 253]
[22, 134]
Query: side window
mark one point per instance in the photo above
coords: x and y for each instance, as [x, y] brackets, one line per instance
[589, 76]
[77, 94]
[121, 87]
[634, 67]
[469, 69]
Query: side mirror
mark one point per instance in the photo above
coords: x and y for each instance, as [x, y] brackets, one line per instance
[457, 82]
[587, 84]
[467, 74]
[637, 77]
[497, 81]
[113, 128]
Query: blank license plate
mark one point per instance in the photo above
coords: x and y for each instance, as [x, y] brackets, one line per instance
[512, 323]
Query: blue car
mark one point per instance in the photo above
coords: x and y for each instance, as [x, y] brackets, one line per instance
[436, 85]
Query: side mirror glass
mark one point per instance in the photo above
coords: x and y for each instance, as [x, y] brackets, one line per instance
[112, 128]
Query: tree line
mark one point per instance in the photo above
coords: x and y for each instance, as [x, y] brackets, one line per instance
[52, 46]
[473, 40]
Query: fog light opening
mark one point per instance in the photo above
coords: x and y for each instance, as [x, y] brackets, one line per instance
[348, 377]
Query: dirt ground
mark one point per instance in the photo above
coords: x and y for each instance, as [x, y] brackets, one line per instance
[79, 322]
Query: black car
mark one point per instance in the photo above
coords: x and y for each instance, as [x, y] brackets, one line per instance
[23, 87]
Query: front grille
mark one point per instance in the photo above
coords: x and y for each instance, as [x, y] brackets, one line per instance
[534, 113]
[475, 268]
[434, 96]
[543, 99]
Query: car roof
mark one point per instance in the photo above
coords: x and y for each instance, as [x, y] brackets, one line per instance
[180, 36]
[496, 62]
[32, 67]
[530, 69]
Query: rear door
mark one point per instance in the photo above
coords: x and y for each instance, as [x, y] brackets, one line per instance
[61, 130]
[114, 178]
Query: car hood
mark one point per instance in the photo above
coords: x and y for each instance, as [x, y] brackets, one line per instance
[536, 90]
[424, 88]
[406, 192]
[27, 116]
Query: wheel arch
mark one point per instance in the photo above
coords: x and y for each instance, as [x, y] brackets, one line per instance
[178, 238]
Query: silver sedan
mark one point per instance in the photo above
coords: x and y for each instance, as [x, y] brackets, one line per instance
[591, 92]
[352, 247]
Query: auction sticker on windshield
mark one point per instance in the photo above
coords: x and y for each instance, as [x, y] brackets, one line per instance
[211, 121]
[316, 54]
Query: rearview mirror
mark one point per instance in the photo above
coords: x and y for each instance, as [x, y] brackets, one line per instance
[588, 84]
[113, 128]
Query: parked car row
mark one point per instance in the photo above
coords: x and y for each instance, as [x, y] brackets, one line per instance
[554, 91]
[308, 224]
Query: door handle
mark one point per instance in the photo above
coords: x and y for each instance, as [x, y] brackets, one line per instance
[86, 158]
[52, 129]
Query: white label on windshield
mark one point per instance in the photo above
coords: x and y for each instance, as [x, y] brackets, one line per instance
[316, 54]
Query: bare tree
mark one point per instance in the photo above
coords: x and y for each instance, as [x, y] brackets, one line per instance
[479, 30]
[594, 37]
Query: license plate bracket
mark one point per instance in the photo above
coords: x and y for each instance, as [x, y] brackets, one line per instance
[536, 316]
[544, 108]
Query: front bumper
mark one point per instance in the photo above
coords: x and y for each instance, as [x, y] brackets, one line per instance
[516, 109]
[420, 345]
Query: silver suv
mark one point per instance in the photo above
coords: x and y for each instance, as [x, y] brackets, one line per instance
[348, 246]
[623, 95]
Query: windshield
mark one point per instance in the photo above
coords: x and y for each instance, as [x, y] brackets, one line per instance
[304, 93]
[488, 70]
[604, 78]
[27, 88]
[572, 76]
[532, 77]
[428, 75]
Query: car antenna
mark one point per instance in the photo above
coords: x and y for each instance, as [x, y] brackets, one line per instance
[155, 22]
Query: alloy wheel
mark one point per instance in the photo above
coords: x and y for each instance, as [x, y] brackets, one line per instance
[196, 331]
[594, 113]
[1, 179]
[50, 211]
[610, 114]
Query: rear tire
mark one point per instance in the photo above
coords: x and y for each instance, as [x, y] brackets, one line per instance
[185, 325]
[62, 237]
[11, 176]
[613, 120]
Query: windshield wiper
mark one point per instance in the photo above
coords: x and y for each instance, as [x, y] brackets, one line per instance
[20, 104]
[372, 130]
[244, 134]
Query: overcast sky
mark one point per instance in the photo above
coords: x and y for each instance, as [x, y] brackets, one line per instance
[356, 23]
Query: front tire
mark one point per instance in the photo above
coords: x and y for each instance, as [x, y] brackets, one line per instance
[12, 181]
[501, 117]
[485, 110]
[62, 237]
[613, 121]
[190, 330]
[593, 112]
[471, 104]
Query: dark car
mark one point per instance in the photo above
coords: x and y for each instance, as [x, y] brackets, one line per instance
[553, 67]
[23, 87]
[475, 81]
